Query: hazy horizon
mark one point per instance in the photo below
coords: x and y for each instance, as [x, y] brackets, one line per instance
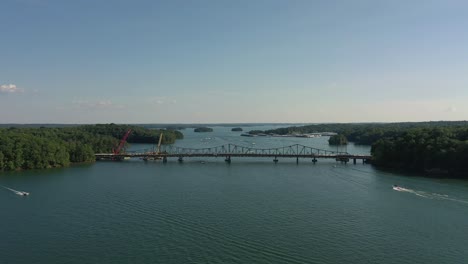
[188, 62]
[228, 124]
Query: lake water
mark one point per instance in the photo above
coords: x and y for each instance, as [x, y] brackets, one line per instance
[249, 211]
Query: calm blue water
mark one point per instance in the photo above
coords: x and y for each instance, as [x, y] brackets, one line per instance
[249, 211]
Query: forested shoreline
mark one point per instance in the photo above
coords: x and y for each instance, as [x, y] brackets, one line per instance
[431, 148]
[51, 147]
[432, 151]
[366, 133]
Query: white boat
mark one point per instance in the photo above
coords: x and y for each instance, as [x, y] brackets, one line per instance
[398, 188]
[17, 192]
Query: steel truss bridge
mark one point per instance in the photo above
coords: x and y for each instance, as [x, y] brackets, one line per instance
[228, 151]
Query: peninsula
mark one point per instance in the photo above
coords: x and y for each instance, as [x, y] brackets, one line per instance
[431, 148]
[51, 147]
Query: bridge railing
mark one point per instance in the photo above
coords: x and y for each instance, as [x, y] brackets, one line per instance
[245, 150]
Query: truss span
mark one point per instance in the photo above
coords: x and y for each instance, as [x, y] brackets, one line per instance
[233, 149]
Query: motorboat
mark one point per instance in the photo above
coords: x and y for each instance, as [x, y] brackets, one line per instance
[17, 192]
[398, 188]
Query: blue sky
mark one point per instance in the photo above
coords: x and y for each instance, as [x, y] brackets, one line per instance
[65, 61]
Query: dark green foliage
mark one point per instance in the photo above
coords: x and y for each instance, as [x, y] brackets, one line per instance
[442, 151]
[139, 134]
[255, 132]
[49, 147]
[434, 148]
[203, 129]
[367, 133]
[236, 129]
[338, 140]
[30, 149]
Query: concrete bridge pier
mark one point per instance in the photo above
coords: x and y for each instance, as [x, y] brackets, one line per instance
[297, 160]
[354, 161]
[275, 160]
[314, 160]
[180, 159]
[228, 159]
[164, 159]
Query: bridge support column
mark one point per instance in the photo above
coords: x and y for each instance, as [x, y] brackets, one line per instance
[275, 160]
[164, 159]
[354, 161]
[297, 160]
[228, 159]
[314, 160]
[180, 159]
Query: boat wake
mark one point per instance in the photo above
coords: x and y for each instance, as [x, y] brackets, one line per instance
[435, 196]
[17, 192]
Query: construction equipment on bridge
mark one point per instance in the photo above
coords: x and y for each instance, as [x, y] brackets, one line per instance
[158, 151]
[229, 151]
[122, 143]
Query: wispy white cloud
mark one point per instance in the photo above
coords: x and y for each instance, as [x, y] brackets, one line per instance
[160, 100]
[451, 109]
[101, 104]
[10, 88]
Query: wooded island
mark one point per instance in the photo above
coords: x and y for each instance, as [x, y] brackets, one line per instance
[203, 129]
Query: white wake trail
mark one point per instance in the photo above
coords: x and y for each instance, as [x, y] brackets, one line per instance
[15, 191]
[435, 196]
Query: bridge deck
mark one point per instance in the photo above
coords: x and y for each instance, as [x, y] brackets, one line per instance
[183, 155]
[232, 150]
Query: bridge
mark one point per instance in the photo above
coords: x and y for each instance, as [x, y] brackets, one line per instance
[229, 151]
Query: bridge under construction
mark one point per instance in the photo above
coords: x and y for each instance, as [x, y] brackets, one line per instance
[229, 151]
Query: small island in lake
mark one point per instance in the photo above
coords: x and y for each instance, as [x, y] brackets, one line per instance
[236, 129]
[203, 129]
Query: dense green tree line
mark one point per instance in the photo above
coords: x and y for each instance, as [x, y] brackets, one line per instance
[256, 132]
[49, 147]
[39, 148]
[366, 133]
[433, 151]
[432, 148]
[139, 134]
[203, 129]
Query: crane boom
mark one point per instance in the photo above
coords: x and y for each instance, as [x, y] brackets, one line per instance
[159, 143]
[122, 142]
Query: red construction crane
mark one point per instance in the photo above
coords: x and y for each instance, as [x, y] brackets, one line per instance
[122, 142]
